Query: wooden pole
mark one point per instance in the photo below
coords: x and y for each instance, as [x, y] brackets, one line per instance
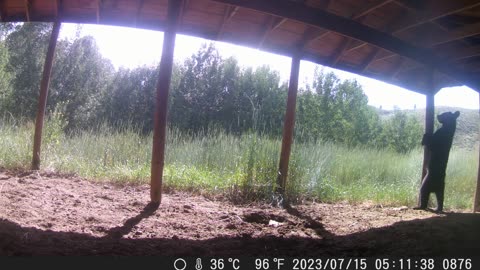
[288, 126]
[429, 124]
[42, 102]
[429, 119]
[160, 117]
[476, 202]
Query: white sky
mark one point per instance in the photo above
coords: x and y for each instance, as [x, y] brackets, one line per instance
[130, 47]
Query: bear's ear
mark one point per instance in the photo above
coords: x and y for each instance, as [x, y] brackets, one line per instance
[457, 114]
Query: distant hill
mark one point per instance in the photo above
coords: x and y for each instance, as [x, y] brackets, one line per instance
[468, 125]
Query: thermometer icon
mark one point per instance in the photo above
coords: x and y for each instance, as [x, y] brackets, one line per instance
[198, 265]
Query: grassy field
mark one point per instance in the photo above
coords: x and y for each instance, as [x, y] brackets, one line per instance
[241, 168]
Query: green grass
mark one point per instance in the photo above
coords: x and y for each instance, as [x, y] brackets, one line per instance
[241, 168]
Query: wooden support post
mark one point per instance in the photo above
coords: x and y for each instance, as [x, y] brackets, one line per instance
[476, 202]
[42, 102]
[163, 85]
[429, 124]
[288, 126]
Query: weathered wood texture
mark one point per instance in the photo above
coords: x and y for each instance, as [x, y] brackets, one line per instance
[42, 101]
[429, 124]
[476, 200]
[161, 102]
[288, 126]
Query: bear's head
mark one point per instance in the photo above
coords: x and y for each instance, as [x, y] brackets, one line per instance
[448, 118]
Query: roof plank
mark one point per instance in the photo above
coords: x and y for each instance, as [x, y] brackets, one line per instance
[353, 29]
[434, 9]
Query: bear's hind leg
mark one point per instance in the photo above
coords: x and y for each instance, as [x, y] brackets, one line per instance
[439, 193]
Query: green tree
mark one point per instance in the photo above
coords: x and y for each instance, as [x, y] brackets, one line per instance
[401, 132]
[198, 99]
[26, 45]
[79, 79]
[5, 78]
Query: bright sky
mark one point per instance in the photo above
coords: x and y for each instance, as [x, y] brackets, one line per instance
[130, 47]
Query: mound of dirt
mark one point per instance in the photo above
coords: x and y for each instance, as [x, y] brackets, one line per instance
[46, 213]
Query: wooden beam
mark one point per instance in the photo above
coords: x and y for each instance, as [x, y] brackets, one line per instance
[460, 33]
[311, 35]
[464, 53]
[288, 127]
[356, 46]
[330, 22]
[325, 4]
[420, 18]
[434, 9]
[366, 63]
[42, 102]
[137, 12]
[476, 200]
[273, 24]
[340, 50]
[456, 34]
[99, 10]
[58, 9]
[358, 15]
[161, 102]
[230, 11]
[370, 8]
[28, 7]
[3, 14]
[429, 122]
[397, 68]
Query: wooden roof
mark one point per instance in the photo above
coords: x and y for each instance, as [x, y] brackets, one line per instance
[396, 41]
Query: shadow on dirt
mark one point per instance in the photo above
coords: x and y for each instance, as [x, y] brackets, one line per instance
[446, 235]
[118, 232]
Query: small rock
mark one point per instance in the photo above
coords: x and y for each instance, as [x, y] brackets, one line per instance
[273, 223]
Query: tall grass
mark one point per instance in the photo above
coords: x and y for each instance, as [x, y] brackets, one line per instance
[239, 167]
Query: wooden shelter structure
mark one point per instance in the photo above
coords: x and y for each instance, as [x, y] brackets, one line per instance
[421, 45]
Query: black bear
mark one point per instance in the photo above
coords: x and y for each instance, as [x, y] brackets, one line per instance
[439, 145]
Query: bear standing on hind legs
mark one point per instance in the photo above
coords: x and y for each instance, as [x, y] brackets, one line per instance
[439, 145]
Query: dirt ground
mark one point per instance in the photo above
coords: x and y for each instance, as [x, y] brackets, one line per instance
[46, 213]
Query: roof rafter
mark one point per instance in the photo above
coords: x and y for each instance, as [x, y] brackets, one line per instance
[459, 33]
[424, 16]
[99, 9]
[273, 23]
[3, 14]
[362, 13]
[337, 55]
[370, 8]
[456, 34]
[434, 9]
[349, 28]
[465, 54]
[28, 7]
[397, 67]
[312, 34]
[325, 4]
[366, 63]
[58, 8]
[137, 12]
[230, 11]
